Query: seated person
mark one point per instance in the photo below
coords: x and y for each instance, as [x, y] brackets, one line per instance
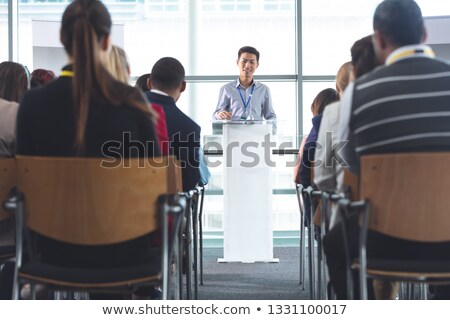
[14, 84]
[41, 77]
[75, 115]
[167, 83]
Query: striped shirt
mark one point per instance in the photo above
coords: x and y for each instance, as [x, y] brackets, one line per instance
[402, 107]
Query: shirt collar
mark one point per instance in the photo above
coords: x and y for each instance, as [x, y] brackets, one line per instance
[412, 51]
[159, 92]
[238, 83]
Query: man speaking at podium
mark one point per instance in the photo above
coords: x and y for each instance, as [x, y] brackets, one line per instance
[245, 98]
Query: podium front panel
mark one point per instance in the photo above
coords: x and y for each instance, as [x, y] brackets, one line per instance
[248, 220]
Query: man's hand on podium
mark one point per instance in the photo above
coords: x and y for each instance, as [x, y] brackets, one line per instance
[224, 115]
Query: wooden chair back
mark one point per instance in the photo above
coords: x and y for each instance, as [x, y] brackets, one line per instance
[7, 182]
[351, 185]
[408, 195]
[87, 201]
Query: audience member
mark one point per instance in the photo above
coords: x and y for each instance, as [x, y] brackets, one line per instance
[324, 98]
[329, 176]
[118, 64]
[142, 82]
[167, 83]
[41, 77]
[119, 67]
[343, 77]
[78, 113]
[379, 114]
[14, 82]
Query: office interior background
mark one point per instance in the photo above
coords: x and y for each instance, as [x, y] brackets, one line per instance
[302, 45]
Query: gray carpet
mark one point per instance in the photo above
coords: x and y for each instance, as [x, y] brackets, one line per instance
[253, 281]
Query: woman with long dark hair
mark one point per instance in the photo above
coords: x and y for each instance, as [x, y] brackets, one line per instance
[80, 114]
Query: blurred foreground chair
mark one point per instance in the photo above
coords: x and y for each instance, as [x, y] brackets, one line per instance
[88, 201]
[405, 197]
[7, 183]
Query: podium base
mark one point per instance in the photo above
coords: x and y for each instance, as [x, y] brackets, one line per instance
[273, 260]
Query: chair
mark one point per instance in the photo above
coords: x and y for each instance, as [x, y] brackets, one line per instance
[406, 198]
[299, 190]
[191, 236]
[200, 229]
[315, 260]
[7, 182]
[89, 201]
[185, 247]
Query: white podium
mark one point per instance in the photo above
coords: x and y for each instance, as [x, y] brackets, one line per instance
[247, 184]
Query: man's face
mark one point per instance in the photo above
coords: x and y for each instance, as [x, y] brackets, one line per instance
[247, 64]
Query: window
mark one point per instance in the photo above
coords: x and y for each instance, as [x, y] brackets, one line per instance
[4, 30]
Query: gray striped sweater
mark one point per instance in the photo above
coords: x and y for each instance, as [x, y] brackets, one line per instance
[403, 107]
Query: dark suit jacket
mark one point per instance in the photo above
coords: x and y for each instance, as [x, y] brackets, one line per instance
[184, 136]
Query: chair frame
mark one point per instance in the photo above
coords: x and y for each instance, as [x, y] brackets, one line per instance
[7, 183]
[385, 210]
[164, 168]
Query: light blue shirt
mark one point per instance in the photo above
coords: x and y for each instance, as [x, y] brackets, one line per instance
[259, 105]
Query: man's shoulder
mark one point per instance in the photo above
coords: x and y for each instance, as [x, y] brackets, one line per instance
[231, 84]
[173, 113]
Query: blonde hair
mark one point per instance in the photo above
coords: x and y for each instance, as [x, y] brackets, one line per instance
[118, 64]
[343, 77]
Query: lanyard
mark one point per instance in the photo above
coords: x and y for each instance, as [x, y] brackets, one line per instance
[249, 97]
[66, 73]
[407, 53]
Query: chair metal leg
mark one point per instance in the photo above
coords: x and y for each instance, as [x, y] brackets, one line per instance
[302, 251]
[195, 240]
[33, 291]
[178, 271]
[302, 238]
[401, 291]
[200, 215]
[188, 252]
[312, 276]
[180, 264]
[423, 291]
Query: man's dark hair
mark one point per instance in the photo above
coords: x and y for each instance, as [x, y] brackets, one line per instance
[400, 21]
[248, 49]
[167, 74]
[141, 82]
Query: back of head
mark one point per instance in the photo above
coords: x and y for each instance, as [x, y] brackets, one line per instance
[248, 49]
[343, 77]
[363, 56]
[41, 77]
[118, 64]
[324, 98]
[85, 30]
[400, 21]
[141, 82]
[14, 81]
[167, 74]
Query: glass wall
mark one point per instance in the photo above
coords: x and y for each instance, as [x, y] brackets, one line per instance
[3, 30]
[205, 36]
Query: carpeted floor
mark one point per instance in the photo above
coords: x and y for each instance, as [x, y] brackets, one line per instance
[252, 281]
